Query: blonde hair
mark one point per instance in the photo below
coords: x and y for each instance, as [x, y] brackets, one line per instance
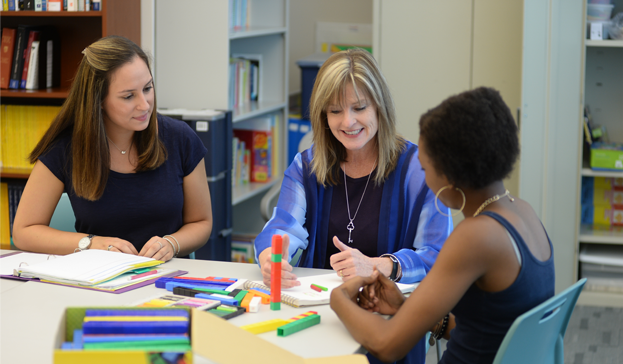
[359, 68]
[81, 114]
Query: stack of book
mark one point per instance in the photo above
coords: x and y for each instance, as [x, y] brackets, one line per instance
[30, 58]
[244, 78]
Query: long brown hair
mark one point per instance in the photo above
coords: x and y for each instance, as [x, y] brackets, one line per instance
[358, 67]
[82, 114]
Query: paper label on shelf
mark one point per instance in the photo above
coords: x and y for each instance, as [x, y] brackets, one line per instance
[597, 31]
[202, 126]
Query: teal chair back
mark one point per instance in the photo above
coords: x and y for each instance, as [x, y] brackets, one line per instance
[63, 217]
[537, 335]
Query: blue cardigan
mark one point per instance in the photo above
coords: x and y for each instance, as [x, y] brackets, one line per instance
[410, 226]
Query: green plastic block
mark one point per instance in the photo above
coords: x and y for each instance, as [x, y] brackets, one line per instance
[298, 325]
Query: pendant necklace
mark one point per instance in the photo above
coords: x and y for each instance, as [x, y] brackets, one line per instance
[350, 227]
[493, 199]
[122, 151]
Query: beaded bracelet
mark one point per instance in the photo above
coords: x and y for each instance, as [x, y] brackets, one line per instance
[440, 330]
[178, 244]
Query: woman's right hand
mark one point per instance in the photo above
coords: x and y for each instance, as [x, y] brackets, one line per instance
[288, 279]
[113, 245]
[382, 295]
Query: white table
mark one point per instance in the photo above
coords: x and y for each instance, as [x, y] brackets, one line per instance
[30, 314]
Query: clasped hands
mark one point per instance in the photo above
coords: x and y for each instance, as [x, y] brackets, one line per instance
[157, 247]
[348, 263]
[375, 293]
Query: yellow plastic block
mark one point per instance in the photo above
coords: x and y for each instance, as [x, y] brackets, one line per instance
[265, 326]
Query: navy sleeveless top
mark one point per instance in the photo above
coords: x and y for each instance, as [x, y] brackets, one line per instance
[483, 318]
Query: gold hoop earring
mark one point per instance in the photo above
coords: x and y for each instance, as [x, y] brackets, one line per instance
[437, 198]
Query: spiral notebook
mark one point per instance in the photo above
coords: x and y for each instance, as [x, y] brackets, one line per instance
[304, 295]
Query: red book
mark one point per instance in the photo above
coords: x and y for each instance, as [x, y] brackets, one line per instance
[32, 36]
[6, 56]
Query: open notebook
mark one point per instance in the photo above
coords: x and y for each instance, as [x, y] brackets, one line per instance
[91, 269]
[304, 295]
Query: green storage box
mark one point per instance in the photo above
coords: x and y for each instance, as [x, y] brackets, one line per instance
[608, 156]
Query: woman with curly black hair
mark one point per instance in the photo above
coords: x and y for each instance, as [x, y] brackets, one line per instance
[496, 265]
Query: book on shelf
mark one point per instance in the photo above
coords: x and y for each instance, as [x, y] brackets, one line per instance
[5, 234]
[5, 5]
[239, 14]
[33, 35]
[29, 5]
[55, 5]
[304, 295]
[257, 136]
[6, 56]
[32, 78]
[21, 128]
[21, 42]
[39, 5]
[49, 57]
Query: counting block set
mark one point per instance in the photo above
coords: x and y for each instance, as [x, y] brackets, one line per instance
[121, 329]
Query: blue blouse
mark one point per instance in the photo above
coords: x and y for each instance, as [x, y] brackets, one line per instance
[410, 226]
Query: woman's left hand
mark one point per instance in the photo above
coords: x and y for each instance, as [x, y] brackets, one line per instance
[350, 263]
[158, 248]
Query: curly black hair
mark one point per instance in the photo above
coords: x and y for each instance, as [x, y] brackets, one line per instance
[471, 138]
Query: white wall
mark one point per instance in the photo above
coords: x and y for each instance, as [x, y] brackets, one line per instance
[303, 17]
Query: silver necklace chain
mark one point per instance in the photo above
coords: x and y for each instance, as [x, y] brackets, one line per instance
[122, 151]
[350, 227]
[492, 200]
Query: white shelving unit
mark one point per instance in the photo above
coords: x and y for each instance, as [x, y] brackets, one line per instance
[602, 92]
[193, 45]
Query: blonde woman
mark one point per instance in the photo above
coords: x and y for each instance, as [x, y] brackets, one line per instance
[357, 199]
[136, 180]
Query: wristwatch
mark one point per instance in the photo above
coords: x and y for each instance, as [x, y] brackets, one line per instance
[396, 273]
[85, 243]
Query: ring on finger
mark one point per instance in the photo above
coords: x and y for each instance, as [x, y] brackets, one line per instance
[110, 247]
[341, 273]
[159, 243]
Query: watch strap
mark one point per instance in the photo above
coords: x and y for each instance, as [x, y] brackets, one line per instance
[395, 265]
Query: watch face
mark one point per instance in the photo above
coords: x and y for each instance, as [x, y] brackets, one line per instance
[84, 243]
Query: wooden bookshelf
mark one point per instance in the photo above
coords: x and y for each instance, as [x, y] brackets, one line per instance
[77, 30]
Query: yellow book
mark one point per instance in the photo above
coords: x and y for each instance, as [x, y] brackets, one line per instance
[3, 140]
[5, 233]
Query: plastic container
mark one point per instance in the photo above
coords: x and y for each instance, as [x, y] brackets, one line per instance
[599, 11]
